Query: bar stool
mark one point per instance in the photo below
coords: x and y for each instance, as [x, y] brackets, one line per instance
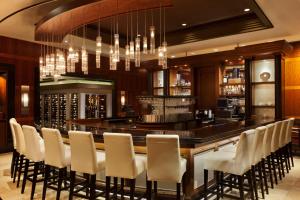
[267, 150]
[257, 156]
[121, 161]
[35, 152]
[84, 159]
[288, 140]
[164, 162]
[20, 147]
[274, 151]
[57, 155]
[236, 163]
[15, 152]
[282, 153]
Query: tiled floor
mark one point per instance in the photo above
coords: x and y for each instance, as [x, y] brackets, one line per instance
[287, 189]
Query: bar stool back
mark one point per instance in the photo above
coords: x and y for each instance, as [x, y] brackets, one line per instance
[20, 147]
[85, 159]
[15, 153]
[35, 152]
[283, 133]
[164, 162]
[276, 136]
[121, 161]
[288, 139]
[56, 155]
[275, 144]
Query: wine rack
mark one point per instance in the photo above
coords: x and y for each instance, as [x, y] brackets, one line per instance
[74, 106]
[95, 106]
[62, 110]
[47, 111]
[54, 111]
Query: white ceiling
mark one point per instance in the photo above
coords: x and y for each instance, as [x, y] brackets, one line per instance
[284, 15]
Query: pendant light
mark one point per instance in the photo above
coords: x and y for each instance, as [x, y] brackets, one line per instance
[160, 48]
[131, 43]
[127, 51]
[164, 45]
[152, 36]
[98, 47]
[137, 43]
[145, 40]
[84, 55]
[116, 37]
[112, 63]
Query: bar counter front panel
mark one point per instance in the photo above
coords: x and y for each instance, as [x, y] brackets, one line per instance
[195, 145]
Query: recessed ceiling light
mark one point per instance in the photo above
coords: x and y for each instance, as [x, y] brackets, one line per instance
[247, 9]
[66, 41]
[183, 24]
[193, 53]
[139, 35]
[173, 56]
[216, 50]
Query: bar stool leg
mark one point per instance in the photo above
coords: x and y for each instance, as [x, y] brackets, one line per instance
[107, 196]
[25, 176]
[47, 171]
[205, 183]
[115, 187]
[286, 159]
[122, 188]
[34, 178]
[241, 188]
[218, 183]
[254, 181]
[72, 183]
[261, 180]
[20, 170]
[249, 177]
[270, 171]
[291, 153]
[93, 187]
[149, 190]
[132, 188]
[263, 164]
[60, 180]
[274, 168]
[16, 167]
[221, 183]
[178, 191]
[12, 165]
[155, 189]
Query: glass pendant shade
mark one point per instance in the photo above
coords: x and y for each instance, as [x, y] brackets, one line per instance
[98, 51]
[112, 63]
[42, 67]
[117, 48]
[131, 49]
[160, 56]
[145, 45]
[137, 52]
[165, 55]
[152, 40]
[84, 60]
[127, 58]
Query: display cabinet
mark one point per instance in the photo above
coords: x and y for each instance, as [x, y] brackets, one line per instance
[158, 83]
[263, 89]
[167, 109]
[180, 81]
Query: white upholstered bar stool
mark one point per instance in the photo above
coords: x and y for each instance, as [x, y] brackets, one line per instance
[257, 156]
[267, 150]
[15, 155]
[35, 152]
[164, 162]
[20, 147]
[84, 159]
[58, 156]
[282, 152]
[121, 161]
[274, 150]
[288, 140]
[236, 163]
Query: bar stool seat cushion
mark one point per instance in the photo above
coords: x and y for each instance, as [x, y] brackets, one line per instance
[100, 160]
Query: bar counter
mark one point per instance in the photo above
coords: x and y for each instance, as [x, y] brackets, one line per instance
[195, 144]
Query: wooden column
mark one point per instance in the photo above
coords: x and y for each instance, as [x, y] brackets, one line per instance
[248, 89]
[278, 87]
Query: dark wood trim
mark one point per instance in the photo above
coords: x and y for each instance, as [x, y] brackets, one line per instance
[278, 87]
[11, 85]
[26, 8]
[260, 13]
[248, 89]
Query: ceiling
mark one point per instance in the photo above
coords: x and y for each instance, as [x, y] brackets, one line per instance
[284, 16]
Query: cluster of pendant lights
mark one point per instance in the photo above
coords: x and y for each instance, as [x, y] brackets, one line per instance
[53, 61]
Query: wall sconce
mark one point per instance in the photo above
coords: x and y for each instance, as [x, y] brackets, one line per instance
[25, 99]
[123, 98]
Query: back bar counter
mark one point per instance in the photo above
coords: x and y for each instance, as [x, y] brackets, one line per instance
[195, 144]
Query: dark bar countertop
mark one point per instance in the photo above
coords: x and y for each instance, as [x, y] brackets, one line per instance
[203, 133]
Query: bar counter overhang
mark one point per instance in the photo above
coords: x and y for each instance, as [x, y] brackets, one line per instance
[195, 145]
